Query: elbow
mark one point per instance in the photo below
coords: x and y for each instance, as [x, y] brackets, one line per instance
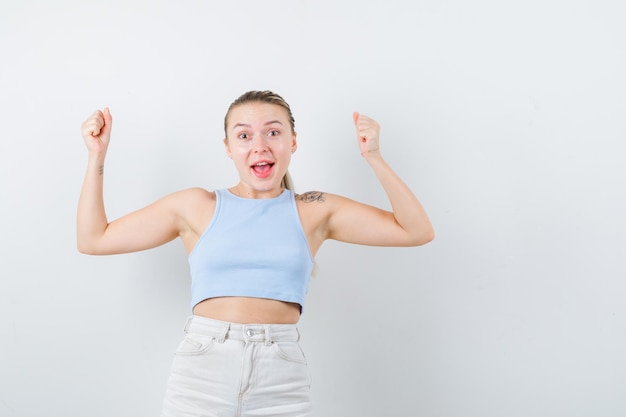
[430, 236]
[85, 247]
[424, 237]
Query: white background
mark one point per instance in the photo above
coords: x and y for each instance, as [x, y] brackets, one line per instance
[508, 120]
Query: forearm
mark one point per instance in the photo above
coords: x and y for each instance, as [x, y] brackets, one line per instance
[91, 217]
[407, 209]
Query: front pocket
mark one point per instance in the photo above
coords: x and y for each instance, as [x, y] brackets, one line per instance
[195, 344]
[290, 351]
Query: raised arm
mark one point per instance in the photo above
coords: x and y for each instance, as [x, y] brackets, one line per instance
[406, 225]
[149, 227]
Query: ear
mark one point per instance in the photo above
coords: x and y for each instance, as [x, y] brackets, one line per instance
[227, 146]
[294, 143]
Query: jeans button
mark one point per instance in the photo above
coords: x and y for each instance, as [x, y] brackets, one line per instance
[249, 333]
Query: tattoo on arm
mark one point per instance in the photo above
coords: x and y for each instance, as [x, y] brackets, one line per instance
[311, 196]
[101, 170]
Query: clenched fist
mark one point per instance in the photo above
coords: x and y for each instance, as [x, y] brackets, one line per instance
[367, 131]
[96, 131]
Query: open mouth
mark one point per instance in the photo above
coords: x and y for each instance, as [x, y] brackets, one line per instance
[262, 169]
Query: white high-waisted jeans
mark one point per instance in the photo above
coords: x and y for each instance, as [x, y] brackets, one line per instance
[226, 369]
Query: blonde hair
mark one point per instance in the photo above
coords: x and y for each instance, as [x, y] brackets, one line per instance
[270, 97]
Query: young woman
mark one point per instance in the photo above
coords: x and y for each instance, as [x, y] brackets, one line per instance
[251, 253]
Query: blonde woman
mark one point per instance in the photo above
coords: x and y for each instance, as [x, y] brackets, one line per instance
[251, 253]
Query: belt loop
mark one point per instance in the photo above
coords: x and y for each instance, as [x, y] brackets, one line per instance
[298, 331]
[268, 335]
[223, 333]
[187, 323]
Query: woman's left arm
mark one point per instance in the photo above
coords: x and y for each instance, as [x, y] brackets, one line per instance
[406, 225]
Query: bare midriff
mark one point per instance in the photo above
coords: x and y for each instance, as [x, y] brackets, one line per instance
[247, 310]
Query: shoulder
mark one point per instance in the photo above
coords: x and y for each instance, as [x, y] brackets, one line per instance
[316, 210]
[311, 197]
[195, 207]
[187, 195]
[190, 200]
[197, 192]
[321, 198]
[192, 194]
[325, 206]
[318, 202]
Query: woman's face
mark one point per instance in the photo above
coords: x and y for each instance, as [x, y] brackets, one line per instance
[260, 142]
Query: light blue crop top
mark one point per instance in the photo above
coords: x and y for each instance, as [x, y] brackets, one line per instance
[252, 248]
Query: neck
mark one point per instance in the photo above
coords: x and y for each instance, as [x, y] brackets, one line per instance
[242, 191]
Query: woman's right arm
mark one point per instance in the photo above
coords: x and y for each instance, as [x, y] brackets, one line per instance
[149, 227]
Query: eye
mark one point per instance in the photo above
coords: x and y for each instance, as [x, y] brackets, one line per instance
[273, 133]
[243, 136]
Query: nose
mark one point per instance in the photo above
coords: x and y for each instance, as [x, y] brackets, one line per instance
[259, 143]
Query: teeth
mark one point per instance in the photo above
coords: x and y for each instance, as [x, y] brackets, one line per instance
[262, 163]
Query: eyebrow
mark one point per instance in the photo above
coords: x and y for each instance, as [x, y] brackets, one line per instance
[266, 124]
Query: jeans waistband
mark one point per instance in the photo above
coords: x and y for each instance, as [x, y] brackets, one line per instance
[222, 330]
